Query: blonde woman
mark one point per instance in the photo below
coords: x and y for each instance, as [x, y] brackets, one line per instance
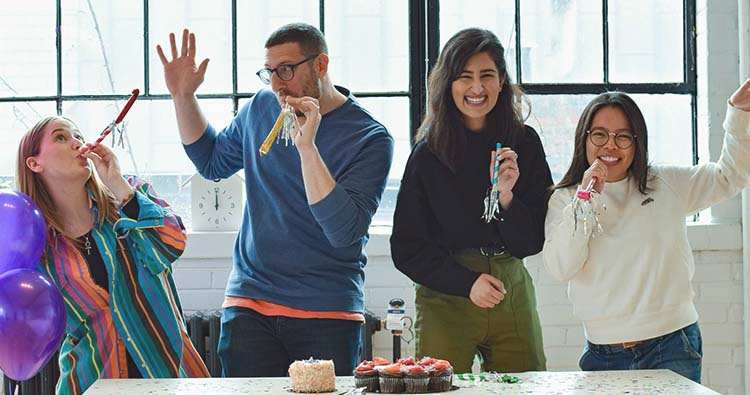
[110, 247]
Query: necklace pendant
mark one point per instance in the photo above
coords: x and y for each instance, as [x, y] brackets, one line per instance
[87, 245]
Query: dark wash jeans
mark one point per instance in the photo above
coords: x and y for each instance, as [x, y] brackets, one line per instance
[255, 345]
[680, 351]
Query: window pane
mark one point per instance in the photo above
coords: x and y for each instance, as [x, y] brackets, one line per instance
[393, 112]
[151, 127]
[256, 20]
[367, 41]
[211, 21]
[170, 188]
[15, 120]
[668, 119]
[28, 60]
[7, 182]
[96, 35]
[554, 117]
[646, 42]
[496, 16]
[561, 42]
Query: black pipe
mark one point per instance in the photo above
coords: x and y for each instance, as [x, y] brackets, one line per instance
[396, 347]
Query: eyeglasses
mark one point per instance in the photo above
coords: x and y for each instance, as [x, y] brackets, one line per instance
[600, 136]
[285, 72]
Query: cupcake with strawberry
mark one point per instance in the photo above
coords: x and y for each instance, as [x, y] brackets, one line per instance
[426, 361]
[365, 375]
[378, 361]
[391, 378]
[441, 376]
[416, 379]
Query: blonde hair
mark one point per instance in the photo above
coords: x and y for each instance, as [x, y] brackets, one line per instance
[31, 183]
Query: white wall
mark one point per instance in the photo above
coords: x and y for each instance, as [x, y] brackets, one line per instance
[718, 76]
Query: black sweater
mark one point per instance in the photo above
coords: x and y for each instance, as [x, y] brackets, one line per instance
[439, 211]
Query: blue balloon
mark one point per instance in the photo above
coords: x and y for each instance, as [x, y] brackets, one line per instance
[23, 231]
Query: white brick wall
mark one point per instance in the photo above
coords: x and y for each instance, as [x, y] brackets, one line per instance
[718, 77]
[717, 283]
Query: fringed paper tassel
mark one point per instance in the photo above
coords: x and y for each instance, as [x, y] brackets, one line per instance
[584, 211]
[492, 200]
[289, 125]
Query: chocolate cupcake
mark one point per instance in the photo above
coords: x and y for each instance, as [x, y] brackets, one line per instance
[416, 380]
[441, 376]
[365, 375]
[391, 378]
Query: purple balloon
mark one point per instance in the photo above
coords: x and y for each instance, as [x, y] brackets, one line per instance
[32, 322]
[23, 231]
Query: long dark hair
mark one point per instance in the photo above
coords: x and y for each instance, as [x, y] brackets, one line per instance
[639, 169]
[443, 126]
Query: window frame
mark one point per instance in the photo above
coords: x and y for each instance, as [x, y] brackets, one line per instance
[424, 40]
[688, 86]
[236, 95]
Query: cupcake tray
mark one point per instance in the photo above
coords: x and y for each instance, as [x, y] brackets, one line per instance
[354, 391]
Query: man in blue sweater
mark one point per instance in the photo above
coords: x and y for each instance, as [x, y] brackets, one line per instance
[296, 288]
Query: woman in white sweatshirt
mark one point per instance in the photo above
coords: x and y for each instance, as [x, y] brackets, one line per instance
[630, 283]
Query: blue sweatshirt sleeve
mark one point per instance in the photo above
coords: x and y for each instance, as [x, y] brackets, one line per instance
[345, 213]
[219, 154]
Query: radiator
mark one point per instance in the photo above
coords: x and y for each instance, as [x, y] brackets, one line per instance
[203, 327]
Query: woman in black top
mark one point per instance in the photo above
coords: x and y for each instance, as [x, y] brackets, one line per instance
[474, 294]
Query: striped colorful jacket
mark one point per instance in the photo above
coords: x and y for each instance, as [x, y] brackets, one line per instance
[140, 312]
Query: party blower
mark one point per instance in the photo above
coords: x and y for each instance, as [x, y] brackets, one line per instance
[113, 125]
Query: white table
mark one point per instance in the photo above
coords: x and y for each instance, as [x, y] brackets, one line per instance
[598, 383]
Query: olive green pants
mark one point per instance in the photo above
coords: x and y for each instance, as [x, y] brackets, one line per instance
[507, 337]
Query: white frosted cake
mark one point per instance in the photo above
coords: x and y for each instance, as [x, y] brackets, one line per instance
[312, 375]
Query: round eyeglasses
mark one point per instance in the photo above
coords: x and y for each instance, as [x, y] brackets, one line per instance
[285, 72]
[600, 136]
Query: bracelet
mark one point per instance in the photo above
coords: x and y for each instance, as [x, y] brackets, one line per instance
[127, 198]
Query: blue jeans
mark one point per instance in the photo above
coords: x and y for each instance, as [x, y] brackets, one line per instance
[680, 351]
[255, 345]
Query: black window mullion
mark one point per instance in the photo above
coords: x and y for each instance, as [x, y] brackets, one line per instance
[322, 16]
[58, 47]
[146, 66]
[586, 88]
[689, 66]
[235, 101]
[382, 94]
[417, 63]
[16, 99]
[689, 36]
[433, 34]
[605, 39]
[518, 41]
